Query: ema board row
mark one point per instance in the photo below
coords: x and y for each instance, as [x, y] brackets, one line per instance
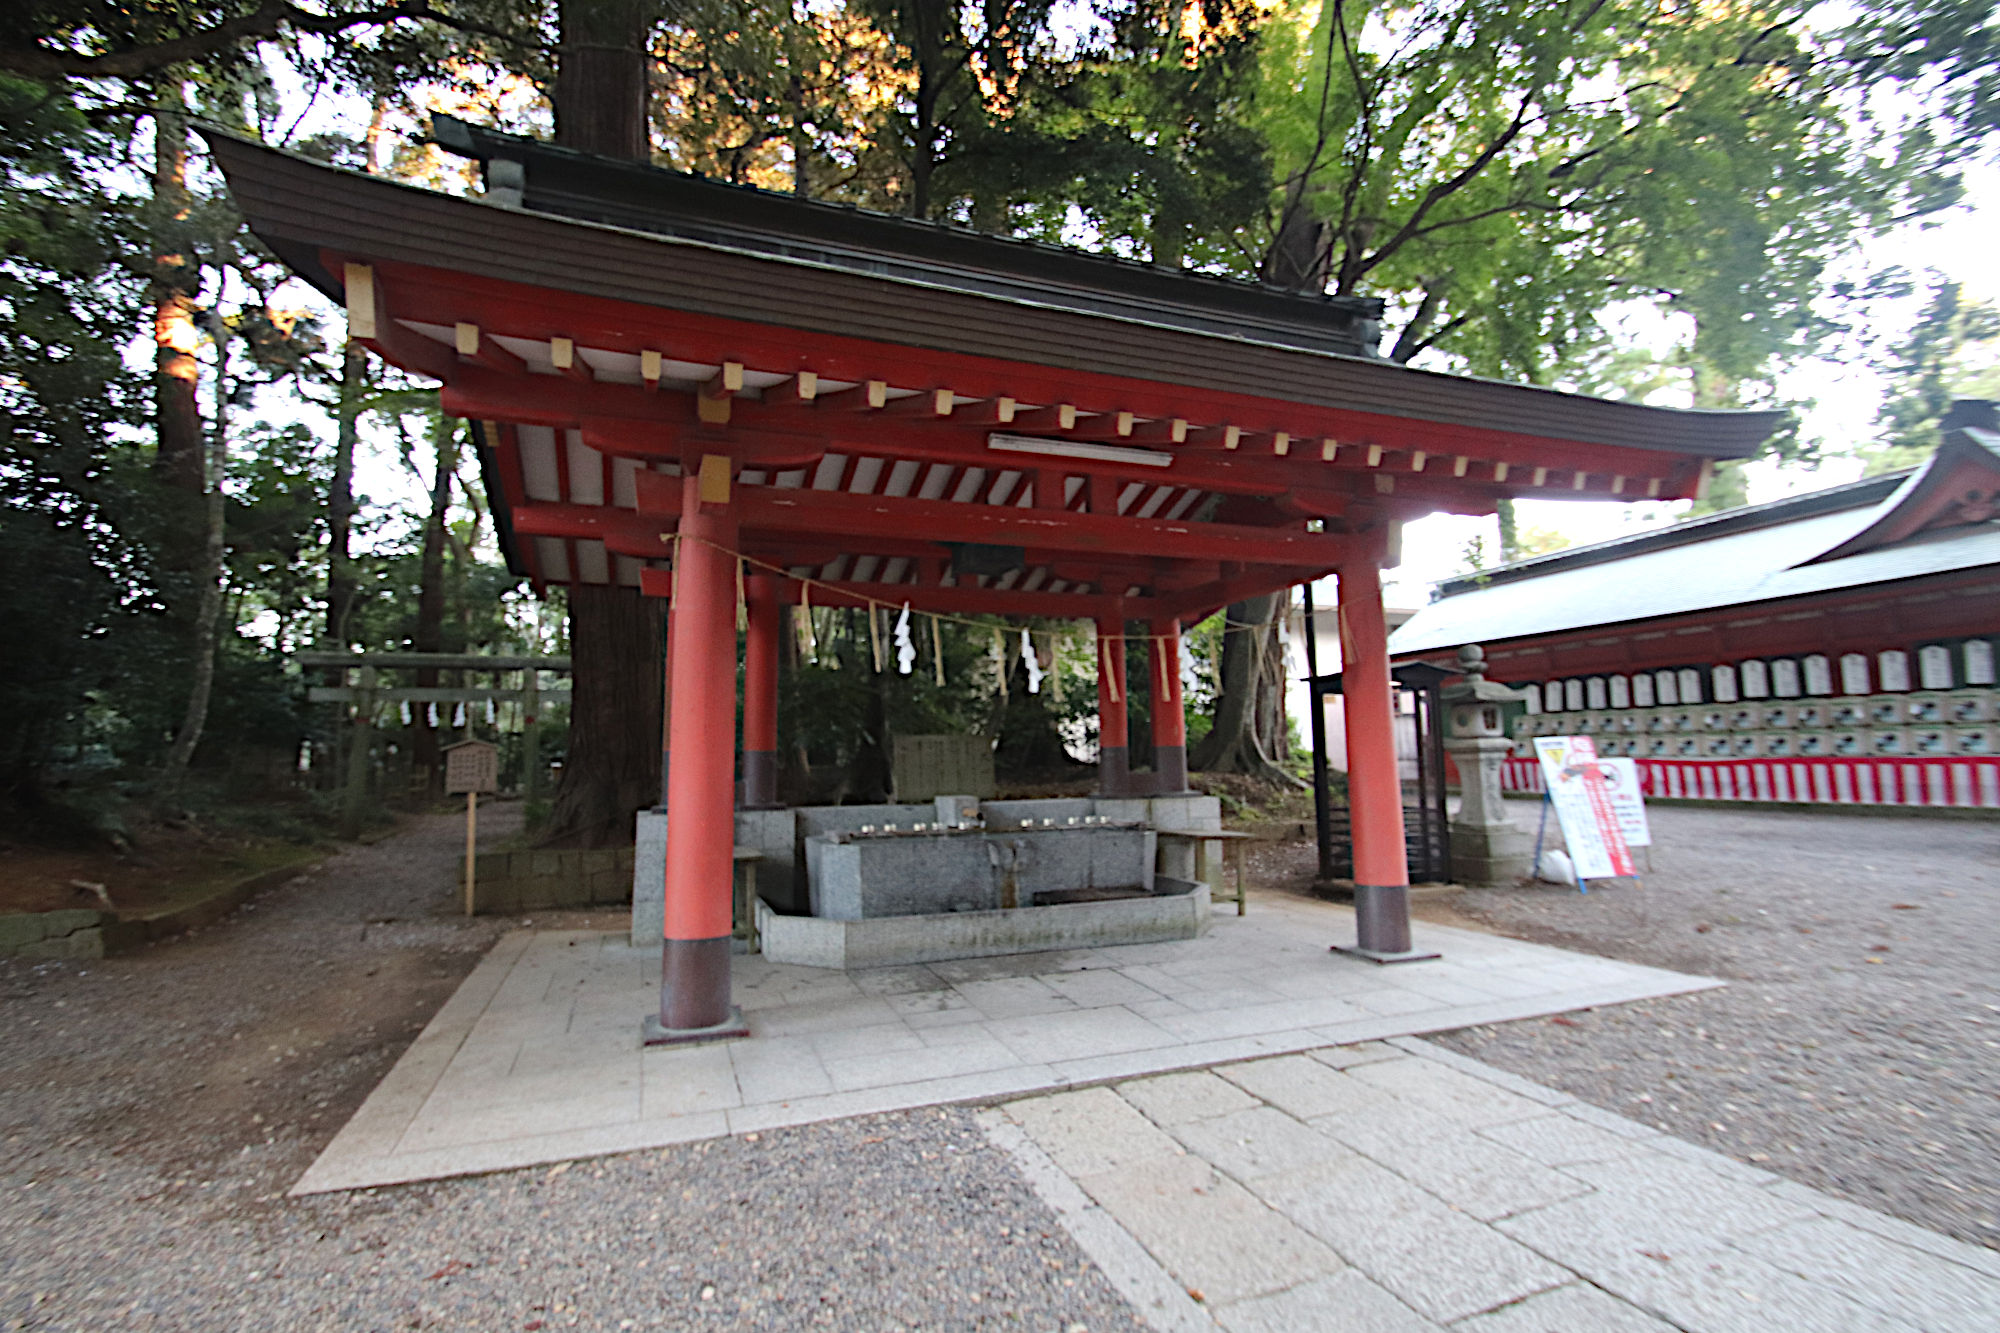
[1881, 742]
[1966, 665]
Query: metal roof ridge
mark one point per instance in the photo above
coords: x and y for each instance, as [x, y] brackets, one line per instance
[1966, 442]
[1770, 513]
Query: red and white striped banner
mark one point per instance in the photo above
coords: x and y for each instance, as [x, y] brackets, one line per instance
[1971, 782]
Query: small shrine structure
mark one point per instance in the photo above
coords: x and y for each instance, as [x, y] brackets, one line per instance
[680, 383]
[1831, 648]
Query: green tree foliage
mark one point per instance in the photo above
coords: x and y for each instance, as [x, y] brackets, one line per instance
[1505, 173]
[1164, 163]
[1951, 352]
[77, 591]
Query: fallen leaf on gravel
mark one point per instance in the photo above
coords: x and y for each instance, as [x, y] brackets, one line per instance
[1655, 1254]
[1703, 928]
[1871, 960]
[557, 1170]
[1904, 907]
[1565, 1022]
[1196, 1293]
[451, 1268]
[533, 1324]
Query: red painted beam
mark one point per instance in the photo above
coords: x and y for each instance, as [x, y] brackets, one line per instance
[625, 532]
[964, 600]
[532, 312]
[838, 513]
[1198, 604]
[627, 420]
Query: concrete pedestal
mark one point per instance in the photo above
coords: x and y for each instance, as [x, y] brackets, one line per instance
[1486, 847]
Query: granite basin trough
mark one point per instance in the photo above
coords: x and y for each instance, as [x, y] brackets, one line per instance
[1176, 909]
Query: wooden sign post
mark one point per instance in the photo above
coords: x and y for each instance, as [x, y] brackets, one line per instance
[471, 767]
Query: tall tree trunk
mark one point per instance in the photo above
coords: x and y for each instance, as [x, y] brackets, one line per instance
[601, 96]
[429, 636]
[613, 766]
[1237, 739]
[1510, 530]
[177, 460]
[340, 586]
[1298, 258]
[208, 611]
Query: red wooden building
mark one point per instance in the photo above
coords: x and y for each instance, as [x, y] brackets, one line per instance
[680, 382]
[1831, 648]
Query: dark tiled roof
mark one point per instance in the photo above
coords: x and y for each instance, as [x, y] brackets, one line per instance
[663, 202]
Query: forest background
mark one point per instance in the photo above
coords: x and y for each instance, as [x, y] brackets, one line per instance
[1654, 199]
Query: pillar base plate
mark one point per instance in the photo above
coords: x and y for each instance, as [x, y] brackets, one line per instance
[653, 1033]
[1377, 956]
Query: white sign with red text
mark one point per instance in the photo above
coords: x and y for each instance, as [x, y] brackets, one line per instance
[1582, 789]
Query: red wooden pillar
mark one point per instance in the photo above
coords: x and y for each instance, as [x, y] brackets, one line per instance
[1374, 787]
[667, 712]
[1114, 755]
[1169, 719]
[760, 694]
[701, 817]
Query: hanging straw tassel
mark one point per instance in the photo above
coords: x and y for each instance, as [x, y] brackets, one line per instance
[1104, 668]
[742, 602]
[937, 651]
[1000, 661]
[874, 637]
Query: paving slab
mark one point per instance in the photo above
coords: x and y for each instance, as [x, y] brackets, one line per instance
[1212, 1234]
[1346, 1301]
[546, 1032]
[1531, 1213]
[1573, 1309]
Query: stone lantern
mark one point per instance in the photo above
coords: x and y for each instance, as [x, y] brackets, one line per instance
[1486, 847]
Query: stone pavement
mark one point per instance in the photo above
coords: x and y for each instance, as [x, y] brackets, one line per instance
[536, 1058]
[1395, 1187]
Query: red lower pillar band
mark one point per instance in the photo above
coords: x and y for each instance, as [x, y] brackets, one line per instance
[760, 693]
[1374, 787]
[1169, 720]
[701, 817]
[1114, 753]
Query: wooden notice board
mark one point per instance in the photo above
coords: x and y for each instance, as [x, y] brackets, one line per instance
[471, 766]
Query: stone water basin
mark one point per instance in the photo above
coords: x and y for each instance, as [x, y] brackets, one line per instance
[929, 870]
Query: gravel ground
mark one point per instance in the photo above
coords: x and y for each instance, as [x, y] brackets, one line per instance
[155, 1107]
[1857, 1046]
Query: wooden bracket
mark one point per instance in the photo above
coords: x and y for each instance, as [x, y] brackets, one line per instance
[871, 396]
[360, 282]
[930, 405]
[1062, 416]
[562, 355]
[713, 479]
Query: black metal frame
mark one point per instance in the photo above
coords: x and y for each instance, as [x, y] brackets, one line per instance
[1426, 827]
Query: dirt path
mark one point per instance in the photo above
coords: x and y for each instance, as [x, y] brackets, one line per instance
[155, 1107]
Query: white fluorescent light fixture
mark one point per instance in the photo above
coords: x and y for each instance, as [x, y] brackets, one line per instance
[1102, 453]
